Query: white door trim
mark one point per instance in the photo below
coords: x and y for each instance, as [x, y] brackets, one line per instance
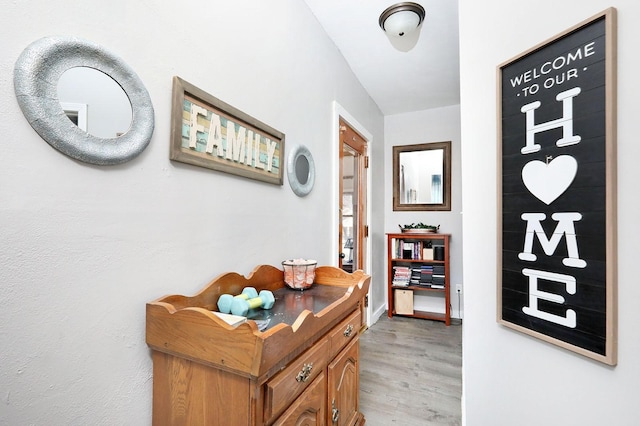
[340, 112]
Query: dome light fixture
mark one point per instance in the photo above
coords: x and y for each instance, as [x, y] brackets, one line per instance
[401, 18]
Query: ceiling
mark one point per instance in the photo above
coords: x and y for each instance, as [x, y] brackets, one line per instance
[427, 76]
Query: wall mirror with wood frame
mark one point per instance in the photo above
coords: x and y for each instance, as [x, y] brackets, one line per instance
[422, 177]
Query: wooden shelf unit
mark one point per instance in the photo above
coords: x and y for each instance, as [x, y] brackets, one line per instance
[302, 369]
[393, 259]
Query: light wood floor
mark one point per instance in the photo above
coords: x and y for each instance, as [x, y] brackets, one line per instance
[411, 372]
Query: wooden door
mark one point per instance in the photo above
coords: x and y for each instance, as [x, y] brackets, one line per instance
[352, 225]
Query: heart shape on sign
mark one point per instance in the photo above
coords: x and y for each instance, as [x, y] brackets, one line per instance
[548, 181]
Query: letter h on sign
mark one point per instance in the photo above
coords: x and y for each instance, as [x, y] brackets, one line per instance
[566, 122]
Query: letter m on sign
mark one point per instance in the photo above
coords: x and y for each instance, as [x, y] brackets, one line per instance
[564, 228]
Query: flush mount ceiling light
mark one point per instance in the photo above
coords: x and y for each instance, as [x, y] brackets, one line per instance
[401, 18]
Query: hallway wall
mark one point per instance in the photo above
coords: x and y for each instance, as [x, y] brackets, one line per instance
[433, 125]
[85, 247]
[510, 378]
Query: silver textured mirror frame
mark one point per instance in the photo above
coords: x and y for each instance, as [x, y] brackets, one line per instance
[300, 153]
[35, 79]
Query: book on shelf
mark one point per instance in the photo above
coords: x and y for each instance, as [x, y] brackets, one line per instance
[411, 250]
[438, 269]
[401, 276]
[399, 270]
[407, 250]
[437, 279]
[426, 274]
[396, 248]
[431, 285]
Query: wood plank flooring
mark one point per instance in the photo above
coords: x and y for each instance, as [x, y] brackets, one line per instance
[411, 372]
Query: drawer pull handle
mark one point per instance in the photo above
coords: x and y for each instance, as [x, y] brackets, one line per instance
[348, 331]
[304, 374]
[335, 413]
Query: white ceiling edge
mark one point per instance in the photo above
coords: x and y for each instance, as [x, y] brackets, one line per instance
[422, 78]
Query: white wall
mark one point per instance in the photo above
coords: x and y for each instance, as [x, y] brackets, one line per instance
[510, 378]
[434, 125]
[85, 247]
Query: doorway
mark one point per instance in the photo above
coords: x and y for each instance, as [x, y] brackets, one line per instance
[352, 229]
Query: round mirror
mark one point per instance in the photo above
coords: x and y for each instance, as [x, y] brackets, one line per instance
[301, 170]
[36, 75]
[94, 102]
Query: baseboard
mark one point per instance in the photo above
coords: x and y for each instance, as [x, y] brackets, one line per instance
[375, 315]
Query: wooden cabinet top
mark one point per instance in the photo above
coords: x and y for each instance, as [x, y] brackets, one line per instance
[185, 325]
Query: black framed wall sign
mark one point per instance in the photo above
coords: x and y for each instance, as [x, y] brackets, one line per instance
[557, 190]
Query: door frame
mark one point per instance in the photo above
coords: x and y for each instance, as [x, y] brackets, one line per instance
[340, 112]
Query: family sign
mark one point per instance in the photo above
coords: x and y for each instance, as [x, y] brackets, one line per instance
[208, 132]
[557, 274]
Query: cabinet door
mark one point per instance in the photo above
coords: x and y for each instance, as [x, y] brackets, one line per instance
[309, 408]
[342, 380]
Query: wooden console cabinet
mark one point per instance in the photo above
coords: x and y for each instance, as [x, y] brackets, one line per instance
[301, 370]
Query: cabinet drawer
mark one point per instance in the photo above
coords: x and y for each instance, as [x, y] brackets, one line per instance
[342, 334]
[290, 382]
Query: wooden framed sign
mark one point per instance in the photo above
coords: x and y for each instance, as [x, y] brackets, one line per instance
[208, 132]
[557, 190]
